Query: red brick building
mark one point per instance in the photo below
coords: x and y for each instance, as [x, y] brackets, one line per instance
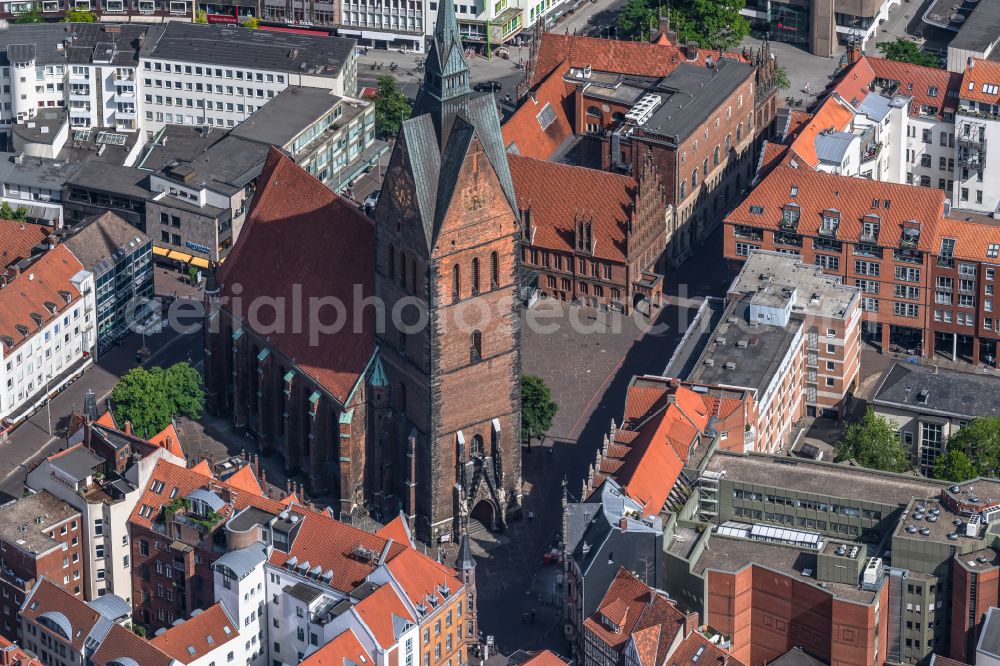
[40, 535]
[927, 276]
[590, 236]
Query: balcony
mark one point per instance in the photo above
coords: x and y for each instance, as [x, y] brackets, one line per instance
[126, 91]
[789, 223]
[79, 92]
[126, 76]
[870, 152]
[908, 256]
[794, 240]
[127, 112]
[747, 233]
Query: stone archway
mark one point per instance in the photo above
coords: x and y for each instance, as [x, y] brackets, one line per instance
[484, 513]
[640, 303]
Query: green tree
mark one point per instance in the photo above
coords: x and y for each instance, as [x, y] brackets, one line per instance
[979, 439]
[954, 466]
[904, 50]
[391, 107]
[253, 23]
[635, 18]
[200, 17]
[872, 442]
[21, 214]
[537, 408]
[79, 16]
[30, 16]
[783, 81]
[148, 399]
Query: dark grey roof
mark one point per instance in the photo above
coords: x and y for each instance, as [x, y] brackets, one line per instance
[77, 464]
[177, 142]
[249, 517]
[832, 146]
[242, 562]
[43, 128]
[72, 43]
[40, 172]
[989, 639]
[948, 392]
[290, 112]
[303, 592]
[797, 657]
[979, 31]
[112, 178]
[691, 94]
[253, 49]
[100, 238]
[231, 163]
[755, 364]
[91, 146]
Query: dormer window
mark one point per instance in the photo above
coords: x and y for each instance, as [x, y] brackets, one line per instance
[831, 221]
[870, 227]
[609, 623]
[790, 216]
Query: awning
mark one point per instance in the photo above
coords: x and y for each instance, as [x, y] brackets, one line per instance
[160, 251]
[178, 256]
[199, 262]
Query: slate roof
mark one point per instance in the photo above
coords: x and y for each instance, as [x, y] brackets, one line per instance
[853, 197]
[959, 394]
[100, 238]
[557, 193]
[316, 55]
[39, 284]
[17, 239]
[300, 234]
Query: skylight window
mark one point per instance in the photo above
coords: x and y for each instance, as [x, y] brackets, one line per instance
[757, 210]
[991, 88]
[546, 116]
[993, 250]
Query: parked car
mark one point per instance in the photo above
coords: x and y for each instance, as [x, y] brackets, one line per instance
[488, 86]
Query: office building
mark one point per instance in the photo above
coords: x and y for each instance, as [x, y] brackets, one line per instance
[977, 131]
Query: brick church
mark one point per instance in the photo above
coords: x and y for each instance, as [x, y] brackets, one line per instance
[418, 413]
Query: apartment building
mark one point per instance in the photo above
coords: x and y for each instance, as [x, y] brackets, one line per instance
[120, 258]
[39, 536]
[35, 184]
[217, 75]
[590, 236]
[977, 128]
[821, 26]
[102, 477]
[47, 332]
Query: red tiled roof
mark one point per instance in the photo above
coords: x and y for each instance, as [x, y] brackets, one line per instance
[797, 121]
[120, 642]
[917, 81]
[833, 113]
[41, 283]
[396, 530]
[557, 192]
[378, 609]
[16, 656]
[545, 658]
[523, 131]
[244, 479]
[853, 197]
[302, 236]
[107, 420]
[166, 439]
[343, 650]
[771, 156]
[49, 598]
[973, 236]
[982, 73]
[645, 608]
[710, 653]
[855, 83]
[197, 636]
[17, 240]
[419, 576]
[203, 469]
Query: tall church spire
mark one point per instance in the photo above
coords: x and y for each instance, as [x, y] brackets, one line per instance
[446, 73]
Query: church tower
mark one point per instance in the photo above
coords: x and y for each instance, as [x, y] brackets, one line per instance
[447, 265]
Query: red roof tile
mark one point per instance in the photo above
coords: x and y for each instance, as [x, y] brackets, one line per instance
[378, 609]
[771, 156]
[853, 197]
[120, 642]
[106, 419]
[244, 479]
[167, 439]
[545, 658]
[983, 73]
[197, 636]
[974, 235]
[522, 133]
[17, 240]
[914, 80]
[710, 653]
[29, 292]
[833, 113]
[396, 530]
[345, 649]
[643, 608]
[15, 655]
[556, 193]
[420, 577]
[50, 599]
[301, 237]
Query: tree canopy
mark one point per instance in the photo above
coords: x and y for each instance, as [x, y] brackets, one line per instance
[148, 399]
[715, 24]
[30, 16]
[537, 408]
[954, 466]
[79, 16]
[903, 50]
[391, 106]
[19, 214]
[872, 442]
[979, 441]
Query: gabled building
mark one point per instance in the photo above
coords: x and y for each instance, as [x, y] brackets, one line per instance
[977, 131]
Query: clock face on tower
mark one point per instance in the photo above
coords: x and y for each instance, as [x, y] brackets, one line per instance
[402, 193]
